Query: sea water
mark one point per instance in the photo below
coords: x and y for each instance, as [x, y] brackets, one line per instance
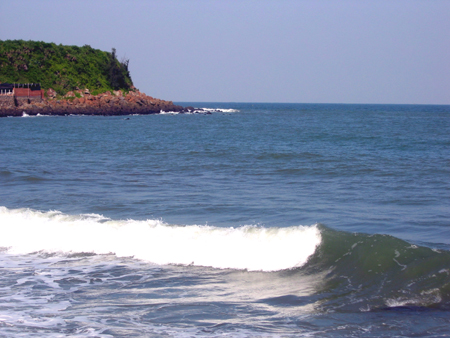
[259, 220]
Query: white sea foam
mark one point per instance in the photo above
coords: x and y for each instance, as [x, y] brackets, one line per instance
[162, 112]
[222, 110]
[426, 298]
[25, 231]
[200, 111]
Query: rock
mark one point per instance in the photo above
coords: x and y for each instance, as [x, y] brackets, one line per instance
[134, 102]
[51, 93]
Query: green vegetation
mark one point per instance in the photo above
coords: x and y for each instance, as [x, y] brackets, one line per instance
[63, 68]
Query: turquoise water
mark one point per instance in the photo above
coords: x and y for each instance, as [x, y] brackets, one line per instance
[272, 220]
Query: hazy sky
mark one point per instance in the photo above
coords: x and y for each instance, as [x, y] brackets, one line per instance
[315, 51]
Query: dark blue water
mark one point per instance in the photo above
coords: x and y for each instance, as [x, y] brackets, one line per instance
[370, 184]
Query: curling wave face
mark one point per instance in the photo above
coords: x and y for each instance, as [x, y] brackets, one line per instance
[378, 272]
[361, 272]
[251, 248]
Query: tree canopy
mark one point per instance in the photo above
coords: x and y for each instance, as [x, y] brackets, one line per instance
[63, 68]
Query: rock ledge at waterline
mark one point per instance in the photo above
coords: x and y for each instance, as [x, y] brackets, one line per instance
[81, 102]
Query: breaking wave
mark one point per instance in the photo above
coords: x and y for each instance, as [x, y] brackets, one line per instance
[357, 272]
[252, 248]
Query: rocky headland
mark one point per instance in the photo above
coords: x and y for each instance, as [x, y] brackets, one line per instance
[82, 102]
[43, 78]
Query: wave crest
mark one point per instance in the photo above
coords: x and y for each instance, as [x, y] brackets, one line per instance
[252, 248]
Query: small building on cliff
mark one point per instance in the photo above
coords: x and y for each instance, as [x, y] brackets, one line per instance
[22, 91]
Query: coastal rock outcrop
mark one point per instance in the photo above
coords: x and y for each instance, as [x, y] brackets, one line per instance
[78, 80]
[82, 102]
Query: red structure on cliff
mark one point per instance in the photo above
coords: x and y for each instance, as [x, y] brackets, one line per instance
[30, 91]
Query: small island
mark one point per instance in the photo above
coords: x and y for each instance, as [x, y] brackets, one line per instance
[48, 79]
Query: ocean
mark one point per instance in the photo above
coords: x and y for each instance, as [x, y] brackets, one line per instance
[258, 220]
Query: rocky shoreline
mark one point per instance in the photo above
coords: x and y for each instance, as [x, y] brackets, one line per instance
[82, 102]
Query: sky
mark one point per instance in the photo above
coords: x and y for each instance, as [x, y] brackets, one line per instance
[302, 51]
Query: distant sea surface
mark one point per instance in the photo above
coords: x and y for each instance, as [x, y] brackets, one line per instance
[259, 220]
